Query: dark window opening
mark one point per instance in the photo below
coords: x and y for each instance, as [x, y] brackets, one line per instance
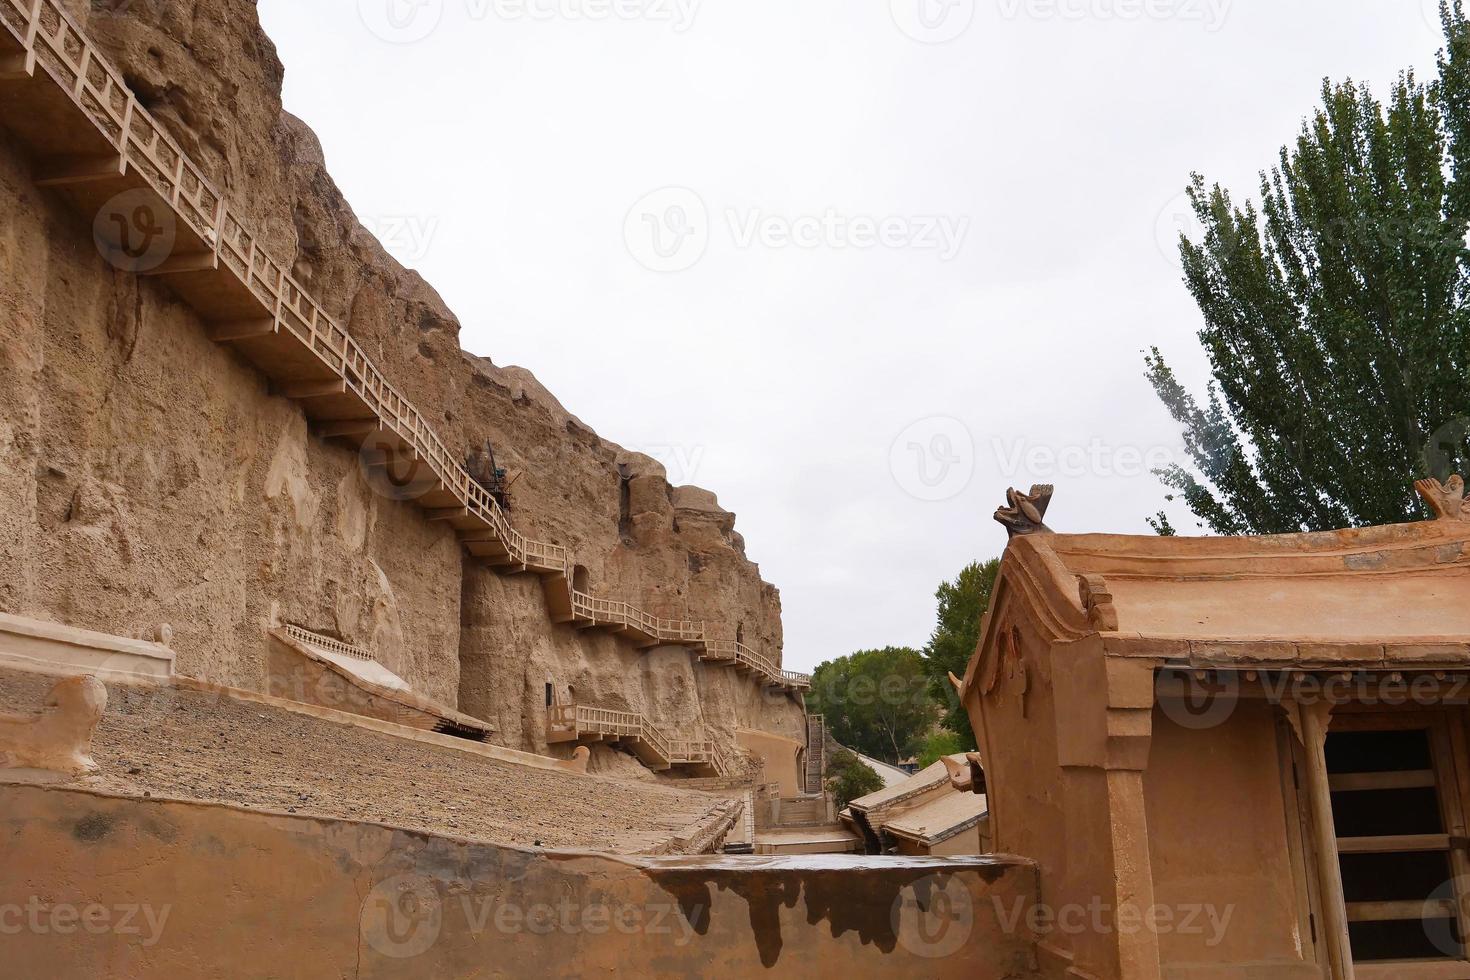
[1393, 851]
[550, 695]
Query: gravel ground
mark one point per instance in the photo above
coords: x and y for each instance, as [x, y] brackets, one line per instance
[194, 746]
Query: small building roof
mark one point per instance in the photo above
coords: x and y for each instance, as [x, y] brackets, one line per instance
[936, 821]
[924, 781]
[1369, 597]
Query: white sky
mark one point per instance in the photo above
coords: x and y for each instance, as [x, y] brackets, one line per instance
[508, 149]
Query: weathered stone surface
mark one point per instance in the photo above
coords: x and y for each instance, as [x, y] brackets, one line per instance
[58, 738]
[148, 475]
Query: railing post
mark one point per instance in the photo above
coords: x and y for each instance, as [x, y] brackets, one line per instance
[33, 25]
[125, 138]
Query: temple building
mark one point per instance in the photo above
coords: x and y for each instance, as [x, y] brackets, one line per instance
[1234, 756]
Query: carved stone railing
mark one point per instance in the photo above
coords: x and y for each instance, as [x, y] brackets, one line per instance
[328, 643]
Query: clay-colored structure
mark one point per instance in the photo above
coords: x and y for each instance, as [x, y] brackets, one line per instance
[1246, 755]
[58, 739]
[205, 355]
[928, 813]
[337, 898]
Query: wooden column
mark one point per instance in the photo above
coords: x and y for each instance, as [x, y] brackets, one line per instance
[1311, 723]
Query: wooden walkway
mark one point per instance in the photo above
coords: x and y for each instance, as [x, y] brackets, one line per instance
[656, 750]
[92, 141]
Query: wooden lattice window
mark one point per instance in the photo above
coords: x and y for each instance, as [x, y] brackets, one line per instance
[1395, 783]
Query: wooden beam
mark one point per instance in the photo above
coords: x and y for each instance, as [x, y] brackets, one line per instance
[1403, 844]
[350, 427]
[224, 333]
[187, 262]
[447, 513]
[1351, 782]
[64, 171]
[1441, 908]
[302, 390]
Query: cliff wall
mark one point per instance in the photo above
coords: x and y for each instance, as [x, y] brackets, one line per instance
[148, 476]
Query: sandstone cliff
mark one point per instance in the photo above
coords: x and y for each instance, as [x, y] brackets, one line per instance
[148, 476]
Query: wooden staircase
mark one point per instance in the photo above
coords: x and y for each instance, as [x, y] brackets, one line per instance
[92, 142]
[656, 750]
[816, 752]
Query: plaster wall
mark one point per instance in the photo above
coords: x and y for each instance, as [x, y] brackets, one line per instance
[1224, 835]
[779, 755]
[319, 898]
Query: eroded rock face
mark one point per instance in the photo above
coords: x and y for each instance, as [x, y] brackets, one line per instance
[148, 475]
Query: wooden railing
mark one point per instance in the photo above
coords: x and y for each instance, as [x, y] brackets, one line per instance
[43, 28]
[604, 722]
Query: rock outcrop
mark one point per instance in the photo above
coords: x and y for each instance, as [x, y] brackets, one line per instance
[148, 475]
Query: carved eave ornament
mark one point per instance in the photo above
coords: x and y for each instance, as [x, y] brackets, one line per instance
[1446, 500]
[1023, 512]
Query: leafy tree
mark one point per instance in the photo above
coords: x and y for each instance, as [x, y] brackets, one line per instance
[875, 701]
[961, 605]
[1336, 319]
[939, 744]
[850, 778]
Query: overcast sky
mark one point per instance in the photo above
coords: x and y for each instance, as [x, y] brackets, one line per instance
[854, 265]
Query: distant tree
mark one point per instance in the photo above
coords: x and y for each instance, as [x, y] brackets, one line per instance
[961, 605]
[875, 701]
[940, 744]
[1336, 319]
[850, 778]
